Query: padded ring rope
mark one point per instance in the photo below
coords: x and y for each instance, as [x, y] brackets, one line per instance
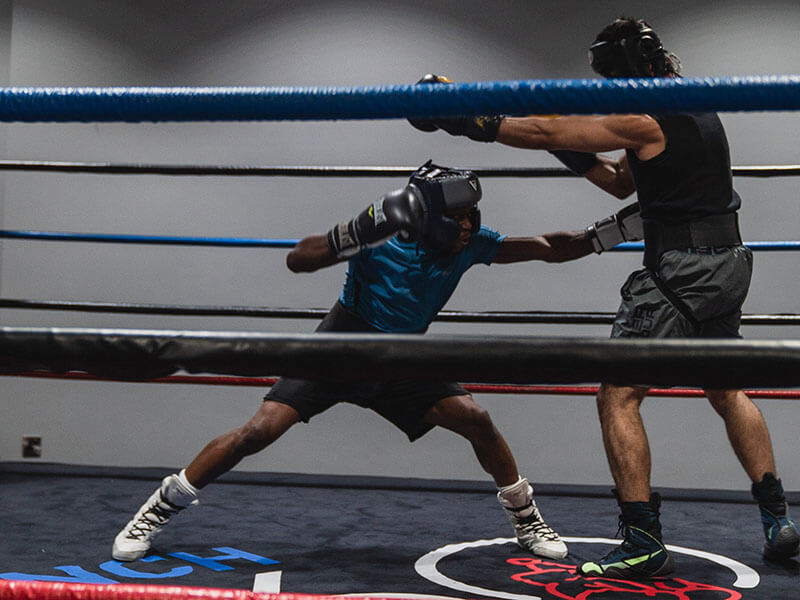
[484, 388]
[519, 97]
[551, 317]
[129, 354]
[323, 171]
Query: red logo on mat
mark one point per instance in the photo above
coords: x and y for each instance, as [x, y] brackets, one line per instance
[562, 581]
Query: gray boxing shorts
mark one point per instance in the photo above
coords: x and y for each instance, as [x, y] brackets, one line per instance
[695, 293]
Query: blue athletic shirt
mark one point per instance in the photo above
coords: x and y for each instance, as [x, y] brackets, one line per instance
[399, 287]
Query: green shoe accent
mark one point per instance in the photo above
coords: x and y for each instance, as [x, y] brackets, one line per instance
[628, 562]
[590, 567]
[639, 556]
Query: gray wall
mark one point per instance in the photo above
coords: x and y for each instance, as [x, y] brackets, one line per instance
[99, 43]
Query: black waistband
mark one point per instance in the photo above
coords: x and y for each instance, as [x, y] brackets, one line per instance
[714, 231]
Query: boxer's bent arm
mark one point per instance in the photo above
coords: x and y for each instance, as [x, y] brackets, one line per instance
[311, 253]
[556, 247]
[612, 176]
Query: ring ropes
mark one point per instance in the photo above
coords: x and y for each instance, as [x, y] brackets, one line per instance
[304, 171]
[515, 97]
[553, 317]
[194, 104]
[498, 316]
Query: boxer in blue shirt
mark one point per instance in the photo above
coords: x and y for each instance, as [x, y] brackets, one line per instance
[407, 252]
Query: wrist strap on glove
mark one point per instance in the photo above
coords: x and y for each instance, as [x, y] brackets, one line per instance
[480, 128]
[343, 240]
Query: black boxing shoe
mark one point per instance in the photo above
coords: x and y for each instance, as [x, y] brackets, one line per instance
[780, 532]
[639, 556]
[782, 537]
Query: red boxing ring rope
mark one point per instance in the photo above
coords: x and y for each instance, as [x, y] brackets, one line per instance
[45, 590]
[484, 388]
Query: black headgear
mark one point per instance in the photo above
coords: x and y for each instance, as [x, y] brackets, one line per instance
[630, 56]
[446, 189]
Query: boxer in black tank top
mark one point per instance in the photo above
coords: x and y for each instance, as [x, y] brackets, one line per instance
[695, 279]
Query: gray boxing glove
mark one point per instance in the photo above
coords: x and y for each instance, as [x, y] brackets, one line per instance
[624, 226]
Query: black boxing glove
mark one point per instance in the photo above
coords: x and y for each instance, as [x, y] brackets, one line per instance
[398, 211]
[624, 226]
[480, 129]
[577, 162]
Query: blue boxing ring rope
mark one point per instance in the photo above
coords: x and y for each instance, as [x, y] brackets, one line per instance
[518, 97]
[56, 236]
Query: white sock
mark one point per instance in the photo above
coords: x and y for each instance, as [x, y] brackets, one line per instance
[185, 483]
[179, 491]
[516, 495]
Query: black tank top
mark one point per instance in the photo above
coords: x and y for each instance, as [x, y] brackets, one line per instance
[691, 178]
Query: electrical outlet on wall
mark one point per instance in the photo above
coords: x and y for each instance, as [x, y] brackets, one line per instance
[31, 446]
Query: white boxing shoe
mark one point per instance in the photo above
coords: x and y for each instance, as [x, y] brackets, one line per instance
[134, 541]
[533, 534]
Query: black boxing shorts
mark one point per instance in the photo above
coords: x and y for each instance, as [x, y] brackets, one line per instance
[402, 402]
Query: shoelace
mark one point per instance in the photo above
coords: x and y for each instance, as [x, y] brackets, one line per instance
[622, 528]
[534, 523]
[624, 547]
[161, 510]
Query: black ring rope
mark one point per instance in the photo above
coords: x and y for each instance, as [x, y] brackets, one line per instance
[459, 316]
[129, 354]
[321, 171]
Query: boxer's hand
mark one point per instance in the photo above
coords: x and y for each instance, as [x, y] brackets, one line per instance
[480, 129]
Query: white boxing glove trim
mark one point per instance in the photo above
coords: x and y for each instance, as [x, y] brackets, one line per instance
[605, 234]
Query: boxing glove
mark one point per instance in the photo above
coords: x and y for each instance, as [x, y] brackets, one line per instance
[398, 211]
[480, 129]
[624, 226]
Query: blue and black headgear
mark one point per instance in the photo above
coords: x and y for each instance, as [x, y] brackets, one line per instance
[632, 55]
[446, 189]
